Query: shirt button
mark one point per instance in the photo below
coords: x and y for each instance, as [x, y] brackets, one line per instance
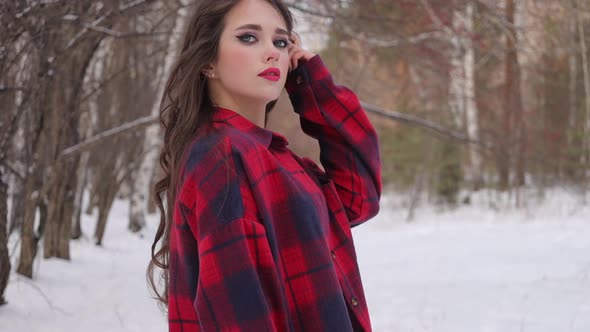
[333, 255]
[299, 80]
[355, 302]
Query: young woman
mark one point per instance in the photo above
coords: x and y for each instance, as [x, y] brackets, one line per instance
[257, 238]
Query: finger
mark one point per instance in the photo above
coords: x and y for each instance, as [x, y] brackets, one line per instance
[291, 50]
[297, 55]
[296, 38]
[296, 58]
[293, 59]
[295, 43]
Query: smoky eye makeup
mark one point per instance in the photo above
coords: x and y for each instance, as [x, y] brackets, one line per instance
[247, 38]
[250, 38]
[285, 42]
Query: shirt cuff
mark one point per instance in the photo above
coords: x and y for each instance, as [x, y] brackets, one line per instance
[306, 72]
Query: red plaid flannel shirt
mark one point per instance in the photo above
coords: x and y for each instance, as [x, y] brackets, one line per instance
[261, 239]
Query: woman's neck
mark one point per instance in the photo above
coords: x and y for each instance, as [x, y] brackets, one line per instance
[253, 111]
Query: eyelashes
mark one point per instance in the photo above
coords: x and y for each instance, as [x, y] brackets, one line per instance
[249, 38]
[283, 42]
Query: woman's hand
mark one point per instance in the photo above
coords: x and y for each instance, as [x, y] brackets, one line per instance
[296, 52]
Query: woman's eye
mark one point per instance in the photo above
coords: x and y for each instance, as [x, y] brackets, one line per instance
[281, 43]
[248, 38]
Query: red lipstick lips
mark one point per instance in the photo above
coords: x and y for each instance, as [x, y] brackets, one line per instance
[271, 74]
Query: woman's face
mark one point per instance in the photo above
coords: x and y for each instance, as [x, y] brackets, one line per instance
[254, 40]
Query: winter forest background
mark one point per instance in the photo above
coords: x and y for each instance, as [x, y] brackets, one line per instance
[483, 112]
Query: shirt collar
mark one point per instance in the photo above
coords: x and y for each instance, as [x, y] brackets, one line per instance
[264, 136]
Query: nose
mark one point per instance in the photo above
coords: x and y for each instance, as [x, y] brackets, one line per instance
[272, 53]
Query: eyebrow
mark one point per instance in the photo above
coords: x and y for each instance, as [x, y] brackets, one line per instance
[259, 28]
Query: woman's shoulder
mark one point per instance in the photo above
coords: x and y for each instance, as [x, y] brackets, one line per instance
[212, 182]
[202, 145]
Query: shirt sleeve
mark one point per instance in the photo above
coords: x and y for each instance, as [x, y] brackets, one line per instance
[222, 273]
[349, 148]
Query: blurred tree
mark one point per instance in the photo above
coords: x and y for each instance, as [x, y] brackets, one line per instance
[54, 44]
[494, 70]
[141, 186]
[4, 256]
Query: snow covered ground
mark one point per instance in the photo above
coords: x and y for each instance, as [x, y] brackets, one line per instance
[472, 269]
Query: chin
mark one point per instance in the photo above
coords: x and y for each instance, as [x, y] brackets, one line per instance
[268, 97]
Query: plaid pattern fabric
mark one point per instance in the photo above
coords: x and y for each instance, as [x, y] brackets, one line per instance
[261, 239]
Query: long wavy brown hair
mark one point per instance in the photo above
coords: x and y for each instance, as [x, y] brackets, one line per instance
[185, 109]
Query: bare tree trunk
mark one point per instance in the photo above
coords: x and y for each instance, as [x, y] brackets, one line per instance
[575, 137]
[474, 170]
[457, 73]
[462, 88]
[60, 200]
[55, 207]
[152, 207]
[513, 121]
[517, 102]
[105, 202]
[508, 98]
[28, 245]
[33, 172]
[458, 94]
[54, 133]
[88, 122]
[65, 226]
[141, 184]
[65, 106]
[16, 196]
[92, 199]
[521, 21]
[4, 256]
[504, 130]
[586, 72]
[79, 193]
[16, 186]
[15, 213]
[573, 78]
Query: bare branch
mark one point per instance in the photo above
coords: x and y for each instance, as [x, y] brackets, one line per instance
[86, 28]
[437, 21]
[14, 169]
[119, 34]
[13, 88]
[300, 8]
[416, 39]
[95, 25]
[135, 124]
[419, 122]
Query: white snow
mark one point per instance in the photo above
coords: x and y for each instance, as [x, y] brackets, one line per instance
[471, 269]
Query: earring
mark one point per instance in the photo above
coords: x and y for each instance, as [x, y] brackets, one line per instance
[210, 75]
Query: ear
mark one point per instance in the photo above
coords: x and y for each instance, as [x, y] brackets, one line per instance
[208, 71]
